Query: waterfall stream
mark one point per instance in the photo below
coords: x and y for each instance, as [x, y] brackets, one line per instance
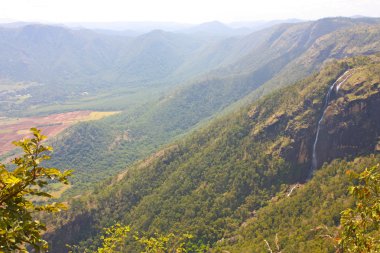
[337, 84]
[292, 189]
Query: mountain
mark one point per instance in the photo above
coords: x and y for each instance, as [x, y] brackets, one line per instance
[203, 139]
[262, 24]
[127, 33]
[49, 54]
[183, 109]
[54, 54]
[210, 182]
[155, 55]
[347, 42]
[72, 62]
[215, 28]
[166, 84]
[139, 27]
[266, 68]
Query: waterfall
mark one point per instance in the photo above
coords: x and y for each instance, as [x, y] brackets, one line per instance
[336, 84]
[292, 189]
[344, 80]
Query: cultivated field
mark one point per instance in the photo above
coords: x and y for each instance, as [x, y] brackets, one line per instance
[12, 129]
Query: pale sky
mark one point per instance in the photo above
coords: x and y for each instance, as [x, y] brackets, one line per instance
[184, 11]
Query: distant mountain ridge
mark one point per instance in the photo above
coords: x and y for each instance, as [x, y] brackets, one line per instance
[216, 28]
[54, 55]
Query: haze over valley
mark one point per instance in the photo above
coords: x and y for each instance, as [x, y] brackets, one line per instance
[192, 135]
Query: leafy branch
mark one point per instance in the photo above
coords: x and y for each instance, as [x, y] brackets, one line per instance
[18, 226]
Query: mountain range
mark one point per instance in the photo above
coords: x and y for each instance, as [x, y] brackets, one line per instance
[210, 182]
[221, 132]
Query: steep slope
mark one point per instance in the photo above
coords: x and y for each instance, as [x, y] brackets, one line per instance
[267, 64]
[348, 42]
[303, 219]
[238, 55]
[210, 182]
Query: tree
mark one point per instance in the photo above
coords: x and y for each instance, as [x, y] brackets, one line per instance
[115, 239]
[25, 179]
[361, 224]
[169, 243]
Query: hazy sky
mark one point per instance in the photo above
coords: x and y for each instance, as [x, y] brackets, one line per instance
[192, 11]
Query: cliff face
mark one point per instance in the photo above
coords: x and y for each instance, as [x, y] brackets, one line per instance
[349, 125]
[345, 120]
[352, 123]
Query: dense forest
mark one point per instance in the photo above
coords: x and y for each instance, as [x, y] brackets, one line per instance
[214, 180]
[274, 63]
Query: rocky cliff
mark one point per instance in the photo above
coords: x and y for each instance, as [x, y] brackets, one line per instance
[333, 114]
[352, 123]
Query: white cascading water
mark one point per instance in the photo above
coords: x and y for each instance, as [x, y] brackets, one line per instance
[292, 189]
[338, 83]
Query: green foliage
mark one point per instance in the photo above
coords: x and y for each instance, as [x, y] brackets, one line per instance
[296, 219]
[248, 63]
[114, 238]
[18, 226]
[212, 181]
[169, 243]
[361, 224]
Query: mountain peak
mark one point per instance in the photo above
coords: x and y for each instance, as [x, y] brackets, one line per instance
[212, 28]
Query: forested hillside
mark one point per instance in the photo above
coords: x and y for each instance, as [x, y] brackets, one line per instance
[302, 220]
[212, 181]
[190, 126]
[209, 134]
[253, 65]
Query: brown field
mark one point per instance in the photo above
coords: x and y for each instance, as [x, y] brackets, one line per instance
[12, 129]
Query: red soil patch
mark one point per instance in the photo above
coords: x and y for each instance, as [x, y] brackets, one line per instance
[16, 129]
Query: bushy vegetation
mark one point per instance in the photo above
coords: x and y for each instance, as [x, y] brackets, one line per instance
[117, 237]
[361, 224]
[309, 218]
[28, 178]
